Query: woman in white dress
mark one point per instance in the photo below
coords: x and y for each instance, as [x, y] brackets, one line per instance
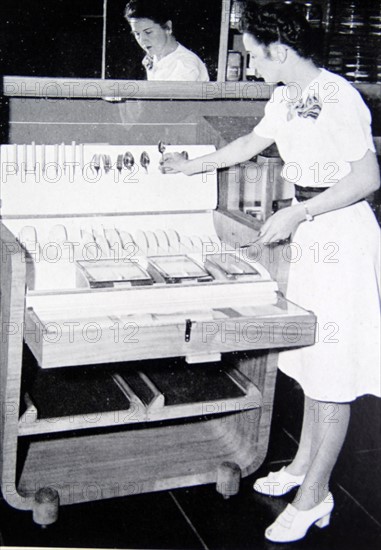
[322, 129]
[165, 58]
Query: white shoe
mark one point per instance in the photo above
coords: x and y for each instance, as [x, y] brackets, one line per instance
[278, 483]
[293, 524]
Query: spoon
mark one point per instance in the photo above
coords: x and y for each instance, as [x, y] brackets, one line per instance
[162, 147]
[145, 160]
[128, 160]
[119, 163]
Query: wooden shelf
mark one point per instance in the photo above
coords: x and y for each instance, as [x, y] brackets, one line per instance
[194, 395]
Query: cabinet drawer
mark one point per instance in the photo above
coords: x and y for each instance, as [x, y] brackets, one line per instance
[69, 339]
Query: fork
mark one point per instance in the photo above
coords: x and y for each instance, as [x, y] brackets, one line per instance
[106, 163]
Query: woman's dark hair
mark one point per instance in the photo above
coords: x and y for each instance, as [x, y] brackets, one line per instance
[281, 22]
[155, 10]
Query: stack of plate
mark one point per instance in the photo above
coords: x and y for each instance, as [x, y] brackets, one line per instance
[355, 37]
[375, 36]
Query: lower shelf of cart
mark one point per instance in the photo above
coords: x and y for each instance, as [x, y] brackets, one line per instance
[140, 459]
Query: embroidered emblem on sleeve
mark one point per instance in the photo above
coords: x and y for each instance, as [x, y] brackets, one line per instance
[305, 108]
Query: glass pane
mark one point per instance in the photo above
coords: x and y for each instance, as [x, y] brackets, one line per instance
[177, 267]
[113, 271]
[196, 25]
[59, 38]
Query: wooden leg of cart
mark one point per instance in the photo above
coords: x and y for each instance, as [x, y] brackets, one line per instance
[45, 509]
[12, 268]
[228, 479]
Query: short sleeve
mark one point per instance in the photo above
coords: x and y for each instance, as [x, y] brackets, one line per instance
[346, 120]
[269, 125]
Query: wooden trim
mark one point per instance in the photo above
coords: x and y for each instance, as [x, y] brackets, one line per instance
[120, 90]
[224, 39]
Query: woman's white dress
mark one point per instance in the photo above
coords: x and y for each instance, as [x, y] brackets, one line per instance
[335, 265]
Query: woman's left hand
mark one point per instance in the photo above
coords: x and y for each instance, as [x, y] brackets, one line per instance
[281, 225]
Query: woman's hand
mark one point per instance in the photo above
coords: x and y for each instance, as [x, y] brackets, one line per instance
[282, 224]
[173, 163]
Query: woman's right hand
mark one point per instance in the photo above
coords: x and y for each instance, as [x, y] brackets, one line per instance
[173, 163]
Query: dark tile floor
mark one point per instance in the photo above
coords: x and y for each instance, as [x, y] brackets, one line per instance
[199, 518]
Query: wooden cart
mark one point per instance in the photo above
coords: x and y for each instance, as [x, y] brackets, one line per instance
[130, 389]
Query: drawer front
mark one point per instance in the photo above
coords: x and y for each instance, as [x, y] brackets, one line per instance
[58, 341]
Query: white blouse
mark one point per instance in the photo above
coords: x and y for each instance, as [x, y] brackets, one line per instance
[319, 134]
[181, 64]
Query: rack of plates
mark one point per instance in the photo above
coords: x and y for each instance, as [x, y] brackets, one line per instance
[355, 40]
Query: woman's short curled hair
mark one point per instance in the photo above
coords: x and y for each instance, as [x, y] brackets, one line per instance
[155, 10]
[279, 22]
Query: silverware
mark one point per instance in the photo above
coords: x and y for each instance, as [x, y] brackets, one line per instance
[247, 245]
[96, 162]
[119, 163]
[279, 241]
[106, 163]
[162, 147]
[145, 160]
[128, 160]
